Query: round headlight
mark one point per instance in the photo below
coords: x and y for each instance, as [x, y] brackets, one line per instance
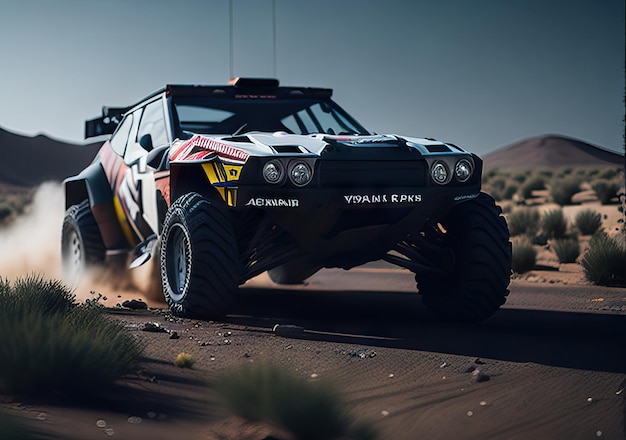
[439, 173]
[300, 174]
[463, 170]
[273, 172]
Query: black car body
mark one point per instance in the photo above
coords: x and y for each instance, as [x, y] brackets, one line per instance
[227, 182]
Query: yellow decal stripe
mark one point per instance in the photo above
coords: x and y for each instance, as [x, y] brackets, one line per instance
[119, 212]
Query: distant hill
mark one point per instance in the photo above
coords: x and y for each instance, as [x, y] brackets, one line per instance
[550, 151]
[28, 161]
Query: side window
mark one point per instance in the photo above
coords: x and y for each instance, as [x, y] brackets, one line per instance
[120, 137]
[133, 150]
[152, 123]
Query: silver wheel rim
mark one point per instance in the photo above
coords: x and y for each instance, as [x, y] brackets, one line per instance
[74, 256]
[178, 262]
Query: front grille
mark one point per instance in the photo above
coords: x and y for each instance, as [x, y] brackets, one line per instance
[371, 174]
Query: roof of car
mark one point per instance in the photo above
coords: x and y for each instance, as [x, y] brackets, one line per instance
[242, 88]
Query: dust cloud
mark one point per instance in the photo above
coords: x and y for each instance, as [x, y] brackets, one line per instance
[31, 245]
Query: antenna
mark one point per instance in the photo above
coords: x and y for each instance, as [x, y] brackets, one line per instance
[230, 37]
[274, 34]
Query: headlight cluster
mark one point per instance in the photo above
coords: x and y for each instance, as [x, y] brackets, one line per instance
[299, 172]
[440, 171]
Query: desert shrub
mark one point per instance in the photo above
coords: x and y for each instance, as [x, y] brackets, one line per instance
[562, 190]
[567, 250]
[546, 173]
[609, 173]
[604, 262]
[554, 224]
[58, 346]
[308, 409]
[588, 221]
[14, 204]
[524, 255]
[534, 184]
[524, 221]
[605, 190]
[520, 177]
[509, 192]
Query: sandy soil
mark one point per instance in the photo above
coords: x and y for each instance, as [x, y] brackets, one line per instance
[554, 356]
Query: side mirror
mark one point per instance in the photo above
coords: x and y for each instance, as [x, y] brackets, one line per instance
[146, 142]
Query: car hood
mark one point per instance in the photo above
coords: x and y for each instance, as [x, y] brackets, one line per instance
[240, 148]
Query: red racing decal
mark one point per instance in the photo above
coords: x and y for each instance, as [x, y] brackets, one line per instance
[189, 150]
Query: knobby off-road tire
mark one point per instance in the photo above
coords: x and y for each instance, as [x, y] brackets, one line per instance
[81, 242]
[478, 236]
[199, 258]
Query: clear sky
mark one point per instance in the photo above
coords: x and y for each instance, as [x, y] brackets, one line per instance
[478, 73]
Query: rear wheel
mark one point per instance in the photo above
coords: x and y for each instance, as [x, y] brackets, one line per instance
[477, 235]
[81, 242]
[199, 258]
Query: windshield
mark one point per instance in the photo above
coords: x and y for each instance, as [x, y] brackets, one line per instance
[236, 116]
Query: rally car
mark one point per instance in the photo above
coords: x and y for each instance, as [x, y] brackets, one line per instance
[222, 183]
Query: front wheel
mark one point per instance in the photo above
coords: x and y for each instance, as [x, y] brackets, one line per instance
[477, 235]
[199, 258]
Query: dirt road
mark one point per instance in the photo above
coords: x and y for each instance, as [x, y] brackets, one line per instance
[550, 365]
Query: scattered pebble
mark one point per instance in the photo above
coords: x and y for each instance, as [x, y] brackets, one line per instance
[479, 376]
[483, 403]
[470, 413]
[598, 433]
[135, 304]
[384, 413]
[314, 376]
[391, 376]
[618, 392]
[444, 365]
[101, 423]
[110, 432]
[361, 353]
[42, 416]
[288, 331]
[135, 420]
[151, 415]
[153, 327]
[589, 399]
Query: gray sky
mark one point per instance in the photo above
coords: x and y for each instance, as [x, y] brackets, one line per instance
[479, 73]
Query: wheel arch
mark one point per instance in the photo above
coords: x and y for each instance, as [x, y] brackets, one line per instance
[92, 184]
[188, 178]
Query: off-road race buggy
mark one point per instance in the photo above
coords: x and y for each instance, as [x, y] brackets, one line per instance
[222, 183]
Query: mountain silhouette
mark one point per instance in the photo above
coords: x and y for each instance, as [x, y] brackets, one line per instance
[551, 151]
[29, 161]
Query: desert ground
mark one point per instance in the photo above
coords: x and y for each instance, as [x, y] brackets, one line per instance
[554, 358]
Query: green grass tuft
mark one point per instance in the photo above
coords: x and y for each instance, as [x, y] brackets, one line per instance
[524, 255]
[309, 410]
[523, 221]
[588, 221]
[604, 262]
[554, 224]
[567, 250]
[55, 346]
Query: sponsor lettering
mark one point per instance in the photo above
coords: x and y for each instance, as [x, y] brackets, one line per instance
[373, 199]
[465, 197]
[273, 203]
